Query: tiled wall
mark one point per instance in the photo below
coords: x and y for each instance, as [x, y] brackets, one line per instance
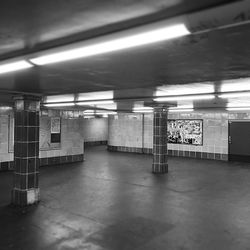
[125, 130]
[215, 134]
[71, 139]
[95, 130]
[70, 149]
[5, 155]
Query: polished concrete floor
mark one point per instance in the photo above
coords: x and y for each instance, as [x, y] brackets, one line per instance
[112, 201]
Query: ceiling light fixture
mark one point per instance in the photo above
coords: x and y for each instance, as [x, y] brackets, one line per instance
[238, 109]
[14, 66]
[181, 107]
[105, 113]
[60, 98]
[181, 110]
[89, 116]
[183, 98]
[142, 108]
[238, 104]
[140, 36]
[95, 102]
[234, 95]
[143, 111]
[59, 104]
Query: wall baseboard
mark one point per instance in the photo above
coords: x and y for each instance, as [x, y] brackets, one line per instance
[49, 161]
[179, 153]
[61, 160]
[94, 143]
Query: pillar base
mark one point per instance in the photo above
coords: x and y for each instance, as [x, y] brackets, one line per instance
[158, 168]
[25, 197]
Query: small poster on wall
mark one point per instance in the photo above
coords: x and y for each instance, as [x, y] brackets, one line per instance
[55, 125]
[185, 131]
[55, 129]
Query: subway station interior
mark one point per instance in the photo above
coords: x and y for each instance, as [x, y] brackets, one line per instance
[125, 125]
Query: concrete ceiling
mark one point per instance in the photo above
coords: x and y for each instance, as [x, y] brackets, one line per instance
[31, 26]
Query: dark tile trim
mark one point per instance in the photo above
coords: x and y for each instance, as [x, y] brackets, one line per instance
[94, 143]
[6, 165]
[129, 149]
[9, 165]
[178, 153]
[61, 160]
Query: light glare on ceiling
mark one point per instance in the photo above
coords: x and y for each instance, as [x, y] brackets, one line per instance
[182, 98]
[235, 95]
[183, 107]
[238, 108]
[59, 104]
[95, 102]
[14, 66]
[125, 42]
[181, 110]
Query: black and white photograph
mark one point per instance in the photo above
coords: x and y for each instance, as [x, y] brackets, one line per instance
[125, 125]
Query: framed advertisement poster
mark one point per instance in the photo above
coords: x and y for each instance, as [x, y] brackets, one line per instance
[185, 131]
[55, 125]
[55, 130]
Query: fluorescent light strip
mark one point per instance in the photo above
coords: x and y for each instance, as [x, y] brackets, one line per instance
[105, 113]
[89, 116]
[143, 111]
[180, 110]
[143, 38]
[234, 95]
[59, 104]
[95, 102]
[60, 98]
[100, 113]
[3, 108]
[142, 108]
[183, 98]
[14, 66]
[238, 109]
[238, 104]
[182, 107]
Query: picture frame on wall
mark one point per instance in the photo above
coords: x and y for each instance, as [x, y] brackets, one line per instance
[55, 130]
[185, 131]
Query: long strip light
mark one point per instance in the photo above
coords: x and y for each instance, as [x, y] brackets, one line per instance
[188, 106]
[59, 104]
[142, 109]
[180, 110]
[110, 45]
[183, 98]
[106, 113]
[235, 95]
[238, 104]
[95, 102]
[14, 66]
[238, 108]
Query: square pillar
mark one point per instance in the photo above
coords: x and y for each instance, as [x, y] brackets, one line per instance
[160, 158]
[26, 151]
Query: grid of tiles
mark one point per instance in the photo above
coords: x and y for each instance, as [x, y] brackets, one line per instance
[26, 152]
[48, 161]
[160, 141]
[94, 143]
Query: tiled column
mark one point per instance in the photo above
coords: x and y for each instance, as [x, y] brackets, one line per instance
[160, 165]
[26, 151]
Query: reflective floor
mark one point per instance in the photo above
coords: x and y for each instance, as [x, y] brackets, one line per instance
[112, 201]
